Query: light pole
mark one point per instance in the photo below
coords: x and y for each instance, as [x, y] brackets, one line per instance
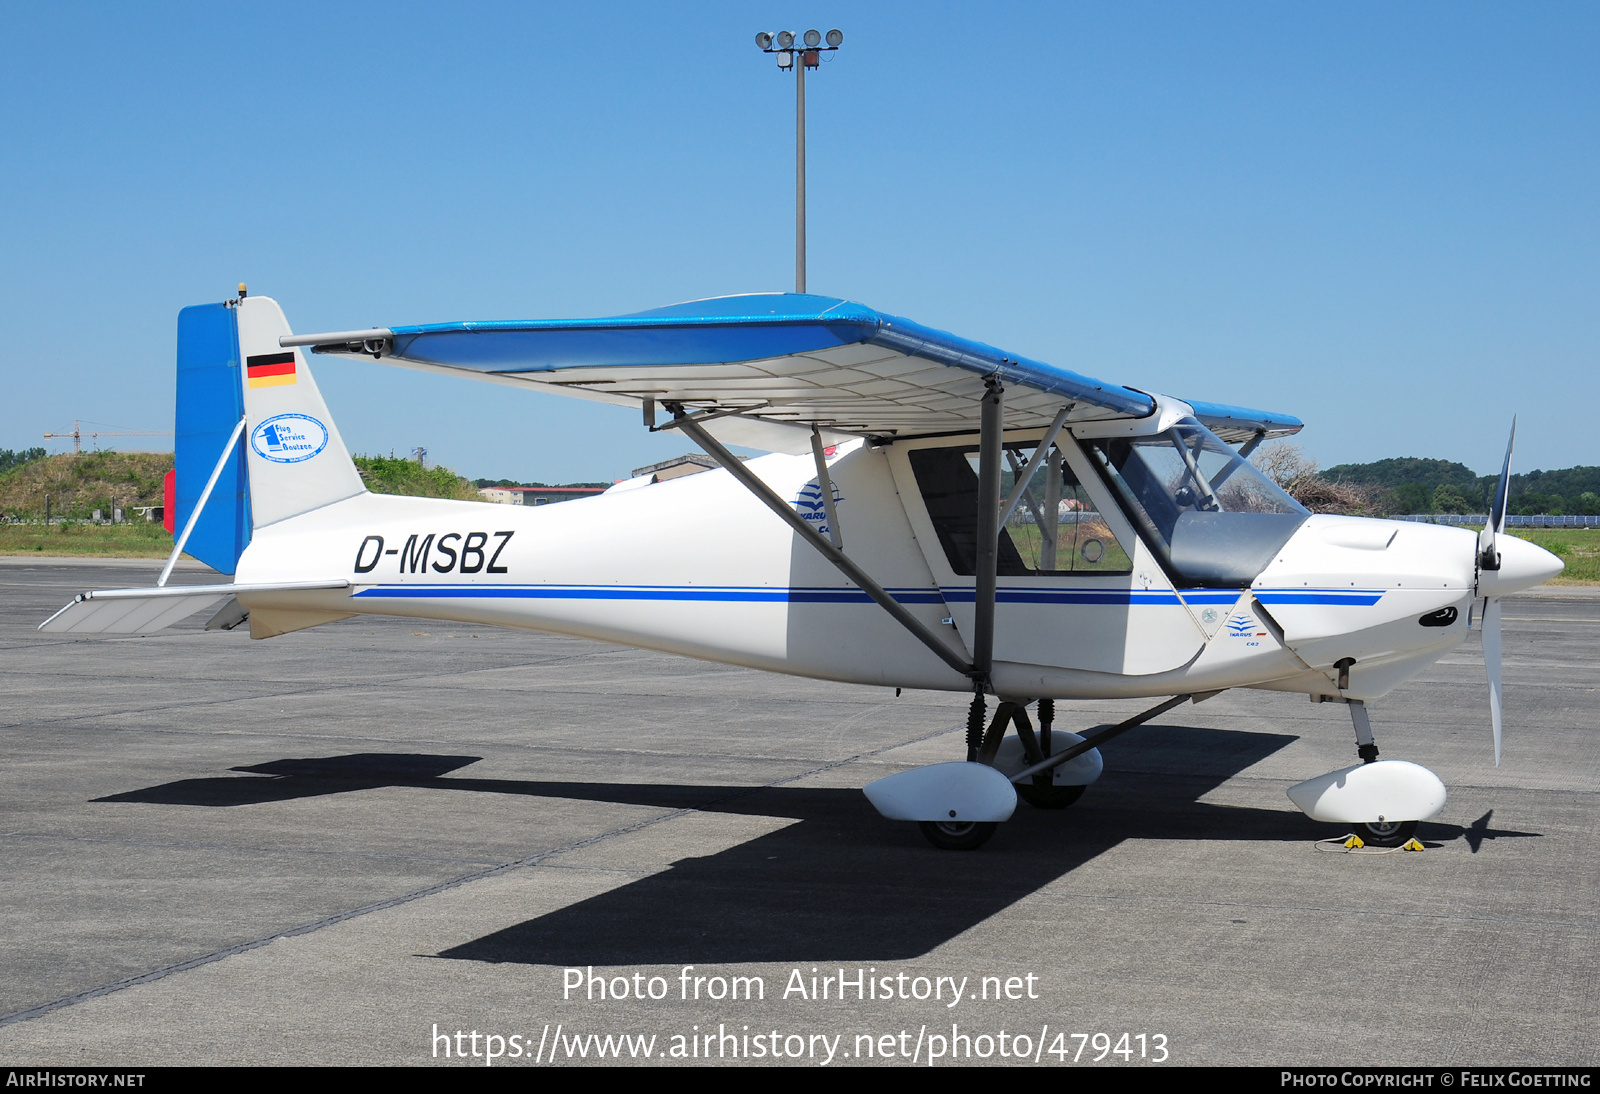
[809, 53]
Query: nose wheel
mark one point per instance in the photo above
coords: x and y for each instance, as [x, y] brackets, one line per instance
[958, 837]
[1386, 833]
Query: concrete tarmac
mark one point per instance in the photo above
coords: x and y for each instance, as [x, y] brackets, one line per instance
[348, 844]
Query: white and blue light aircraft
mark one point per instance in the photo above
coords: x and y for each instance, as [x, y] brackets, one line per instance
[934, 513]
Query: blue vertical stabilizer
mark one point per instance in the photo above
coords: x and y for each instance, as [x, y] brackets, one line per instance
[210, 404]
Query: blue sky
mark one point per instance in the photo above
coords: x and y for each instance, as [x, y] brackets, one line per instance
[1380, 218]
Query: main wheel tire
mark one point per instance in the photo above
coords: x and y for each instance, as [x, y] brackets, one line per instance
[1050, 797]
[1386, 833]
[967, 836]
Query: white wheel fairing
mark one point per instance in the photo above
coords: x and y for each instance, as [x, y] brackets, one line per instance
[1379, 792]
[1078, 771]
[948, 793]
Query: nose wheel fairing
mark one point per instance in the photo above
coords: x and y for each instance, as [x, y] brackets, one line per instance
[1384, 792]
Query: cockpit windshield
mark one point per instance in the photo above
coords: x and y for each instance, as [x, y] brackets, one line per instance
[1215, 518]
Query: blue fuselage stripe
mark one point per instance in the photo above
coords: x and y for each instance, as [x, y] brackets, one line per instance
[644, 592]
[844, 595]
[964, 595]
[1355, 598]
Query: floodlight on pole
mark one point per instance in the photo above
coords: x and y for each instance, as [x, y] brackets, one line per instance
[782, 44]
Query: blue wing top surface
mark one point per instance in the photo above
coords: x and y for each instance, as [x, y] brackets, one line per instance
[791, 358]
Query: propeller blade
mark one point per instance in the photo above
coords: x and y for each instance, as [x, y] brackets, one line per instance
[1491, 662]
[1488, 550]
[1502, 490]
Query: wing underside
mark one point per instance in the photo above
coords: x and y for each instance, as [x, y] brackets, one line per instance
[772, 367]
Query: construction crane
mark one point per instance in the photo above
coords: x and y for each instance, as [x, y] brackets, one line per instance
[77, 435]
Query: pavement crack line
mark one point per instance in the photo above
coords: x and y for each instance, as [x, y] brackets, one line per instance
[433, 890]
[181, 845]
[293, 688]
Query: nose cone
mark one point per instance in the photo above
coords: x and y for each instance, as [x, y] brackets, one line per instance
[1522, 566]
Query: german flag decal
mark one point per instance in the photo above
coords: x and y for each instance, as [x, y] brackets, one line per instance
[270, 369]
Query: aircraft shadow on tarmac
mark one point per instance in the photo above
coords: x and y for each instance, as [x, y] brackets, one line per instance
[840, 884]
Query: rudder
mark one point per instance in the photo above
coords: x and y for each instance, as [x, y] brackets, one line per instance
[210, 403]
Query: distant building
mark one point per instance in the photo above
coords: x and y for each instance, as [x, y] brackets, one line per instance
[544, 495]
[537, 495]
[677, 467]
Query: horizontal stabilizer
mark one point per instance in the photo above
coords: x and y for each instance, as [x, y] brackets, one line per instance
[145, 611]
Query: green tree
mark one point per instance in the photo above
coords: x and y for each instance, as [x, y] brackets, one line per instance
[1412, 497]
[1449, 499]
[10, 459]
[389, 475]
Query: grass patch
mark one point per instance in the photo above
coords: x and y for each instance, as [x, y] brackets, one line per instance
[1579, 548]
[135, 539]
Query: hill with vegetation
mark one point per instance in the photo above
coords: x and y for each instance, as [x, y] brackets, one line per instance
[1409, 485]
[391, 475]
[79, 483]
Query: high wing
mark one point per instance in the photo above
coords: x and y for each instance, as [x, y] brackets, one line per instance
[771, 366]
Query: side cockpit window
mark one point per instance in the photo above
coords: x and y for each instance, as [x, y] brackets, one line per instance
[1054, 529]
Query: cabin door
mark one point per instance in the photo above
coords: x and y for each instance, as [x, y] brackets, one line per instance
[1077, 588]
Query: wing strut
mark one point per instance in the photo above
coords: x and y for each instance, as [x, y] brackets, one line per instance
[1025, 475]
[761, 490]
[991, 422]
[1098, 739]
[825, 487]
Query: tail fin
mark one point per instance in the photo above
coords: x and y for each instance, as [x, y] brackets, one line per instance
[210, 403]
[297, 461]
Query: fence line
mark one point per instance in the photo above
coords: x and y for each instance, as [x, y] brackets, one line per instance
[1478, 520]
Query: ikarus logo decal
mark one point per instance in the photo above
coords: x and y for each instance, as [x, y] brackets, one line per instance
[809, 504]
[1241, 626]
[289, 438]
[1245, 626]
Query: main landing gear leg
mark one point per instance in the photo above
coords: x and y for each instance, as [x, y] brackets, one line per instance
[959, 835]
[1040, 791]
[1039, 755]
[975, 724]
